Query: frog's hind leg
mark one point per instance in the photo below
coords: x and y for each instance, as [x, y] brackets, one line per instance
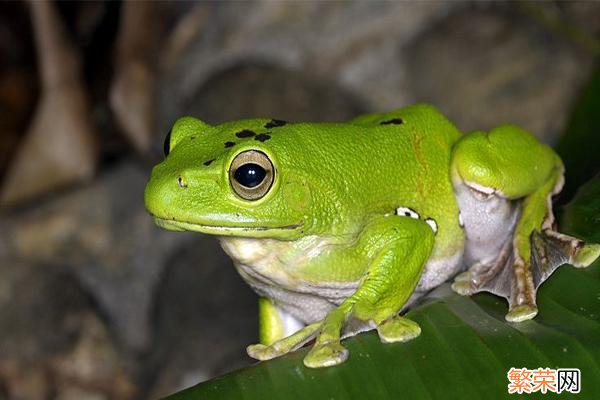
[539, 249]
[509, 163]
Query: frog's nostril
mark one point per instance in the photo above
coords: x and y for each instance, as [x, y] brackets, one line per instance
[181, 182]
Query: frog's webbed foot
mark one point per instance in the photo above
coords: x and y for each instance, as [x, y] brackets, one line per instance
[490, 277]
[398, 329]
[328, 350]
[283, 346]
[516, 279]
[549, 250]
[326, 355]
[555, 248]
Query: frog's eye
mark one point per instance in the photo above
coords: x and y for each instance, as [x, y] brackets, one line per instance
[251, 174]
[167, 143]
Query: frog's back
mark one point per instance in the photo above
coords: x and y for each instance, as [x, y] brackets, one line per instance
[421, 141]
[422, 117]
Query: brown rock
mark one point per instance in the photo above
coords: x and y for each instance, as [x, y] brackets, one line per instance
[488, 66]
[215, 313]
[251, 90]
[92, 368]
[52, 342]
[104, 234]
[577, 20]
[585, 16]
[307, 60]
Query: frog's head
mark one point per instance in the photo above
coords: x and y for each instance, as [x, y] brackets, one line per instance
[243, 178]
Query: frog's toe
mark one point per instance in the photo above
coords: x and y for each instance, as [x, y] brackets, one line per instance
[262, 352]
[326, 355]
[586, 255]
[521, 313]
[463, 277]
[398, 329]
[462, 284]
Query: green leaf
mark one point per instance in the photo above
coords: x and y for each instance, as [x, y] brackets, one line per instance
[579, 145]
[581, 217]
[465, 349]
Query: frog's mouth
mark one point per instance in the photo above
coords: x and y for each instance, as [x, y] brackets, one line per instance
[224, 230]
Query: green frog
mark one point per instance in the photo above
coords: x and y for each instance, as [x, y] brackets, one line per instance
[340, 226]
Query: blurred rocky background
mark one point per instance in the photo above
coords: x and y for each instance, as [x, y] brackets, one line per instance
[98, 303]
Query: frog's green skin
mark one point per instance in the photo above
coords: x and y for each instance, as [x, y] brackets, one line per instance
[363, 215]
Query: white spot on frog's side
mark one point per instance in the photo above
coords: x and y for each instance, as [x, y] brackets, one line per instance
[407, 212]
[460, 220]
[431, 222]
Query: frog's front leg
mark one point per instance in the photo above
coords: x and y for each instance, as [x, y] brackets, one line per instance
[510, 163]
[398, 248]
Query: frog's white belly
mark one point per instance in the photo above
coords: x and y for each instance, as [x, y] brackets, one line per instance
[259, 264]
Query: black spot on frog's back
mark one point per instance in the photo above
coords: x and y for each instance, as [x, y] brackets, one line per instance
[275, 123]
[262, 137]
[207, 163]
[245, 133]
[393, 121]
[229, 144]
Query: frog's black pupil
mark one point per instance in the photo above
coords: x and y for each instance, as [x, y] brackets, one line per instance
[167, 144]
[250, 175]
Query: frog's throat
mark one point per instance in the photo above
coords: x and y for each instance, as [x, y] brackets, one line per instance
[224, 230]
